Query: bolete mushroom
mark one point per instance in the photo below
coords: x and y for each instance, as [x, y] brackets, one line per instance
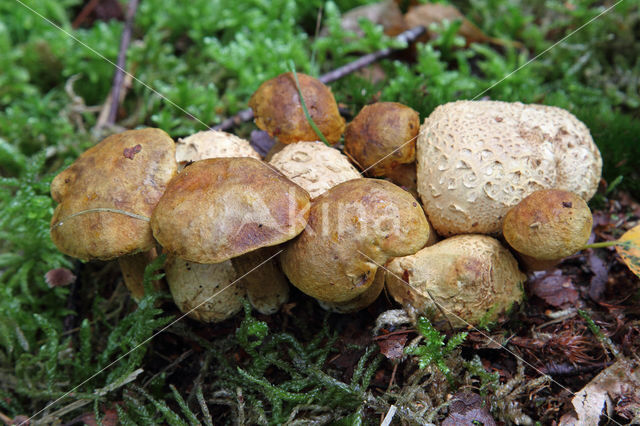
[477, 159]
[547, 226]
[382, 136]
[223, 208]
[106, 198]
[463, 280]
[278, 110]
[353, 228]
[314, 166]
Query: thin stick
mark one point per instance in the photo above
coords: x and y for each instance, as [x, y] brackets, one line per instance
[118, 77]
[407, 37]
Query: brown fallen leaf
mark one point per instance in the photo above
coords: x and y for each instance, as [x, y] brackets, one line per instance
[468, 408]
[435, 13]
[598, 282]
[555, 288]
[59, 277]
[630, 252]
[385, 13]
[392, 346]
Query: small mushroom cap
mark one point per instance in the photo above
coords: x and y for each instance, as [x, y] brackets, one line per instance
[382, 136]
[314, 166]
[278, 111]
[548, 225]
[212, 144]
[477, 159]
[220, 208]
[207, 289]
[472, 278]
[126, 174]
[353, 227]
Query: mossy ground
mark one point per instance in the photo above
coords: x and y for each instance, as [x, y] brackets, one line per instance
[301, 364]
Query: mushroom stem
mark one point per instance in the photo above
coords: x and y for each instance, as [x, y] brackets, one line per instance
[132, 267]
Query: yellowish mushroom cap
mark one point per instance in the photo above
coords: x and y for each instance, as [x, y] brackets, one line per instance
[466, 279]
[107, 195]
[548, 225]
[314, 166]
[353, 227]
[220, 208]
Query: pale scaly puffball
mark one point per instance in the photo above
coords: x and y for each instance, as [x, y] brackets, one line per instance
[212, 144]
[477, 159]
[314, 166]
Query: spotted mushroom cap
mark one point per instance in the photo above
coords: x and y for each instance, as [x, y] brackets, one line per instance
[278, 110]
[107, 195]
[548, 225]
[220, 208]
[471, 279]
[212, 144]
[353, 228]
[207, 293]
[477, 159]
[314, 166]
[382, 136]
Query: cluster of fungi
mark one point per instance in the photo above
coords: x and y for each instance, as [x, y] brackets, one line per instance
[449, 215]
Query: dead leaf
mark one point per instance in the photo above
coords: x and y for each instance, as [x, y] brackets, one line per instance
[385, 13]
[630, 253]
[59, 277]
[468, 408]
[392, 346]
[598, 282]
[622, 379]
[555, 289]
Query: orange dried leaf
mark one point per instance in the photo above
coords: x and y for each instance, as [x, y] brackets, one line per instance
[630, 252]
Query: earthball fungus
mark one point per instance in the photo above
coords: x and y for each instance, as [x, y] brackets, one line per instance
[477, 159]
[212, 144]
[278, 110]
[353, 228]
[463, 280]
[106, 198]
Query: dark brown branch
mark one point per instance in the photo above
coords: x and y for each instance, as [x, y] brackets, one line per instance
[118, 77]
[407, 37]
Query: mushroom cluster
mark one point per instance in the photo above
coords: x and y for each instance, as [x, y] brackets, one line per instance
[236, 227]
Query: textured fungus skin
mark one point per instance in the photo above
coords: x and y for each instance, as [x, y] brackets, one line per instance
[548, 225]
[382, 136]
[191, 284]
[477, 159]
[353, 227]
[360, 302]
[314, 166]
[212, 144]
[128, 171]
[472, 278]
[220, 208]
[278, 111]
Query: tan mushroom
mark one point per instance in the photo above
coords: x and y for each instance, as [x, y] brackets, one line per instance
[463, 280]
[106, 198]
[314, 166]
[477, 159]
[222, 208]
[353, 228]
[547, 226]
[278, 110]
[382, 136]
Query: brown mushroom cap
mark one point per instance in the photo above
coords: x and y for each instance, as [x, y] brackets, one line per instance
[353, 227]
[361, 301]
[472, 278]
[314, 166]
[477, 159]
[220, 208]
[548, 225]
[204, 291]
[212, 144]
[277, 109]
[382, 136]
[107, 195]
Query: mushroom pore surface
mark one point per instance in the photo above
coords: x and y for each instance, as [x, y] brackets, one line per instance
[107, 195]
[477, 159]
[352, 228]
